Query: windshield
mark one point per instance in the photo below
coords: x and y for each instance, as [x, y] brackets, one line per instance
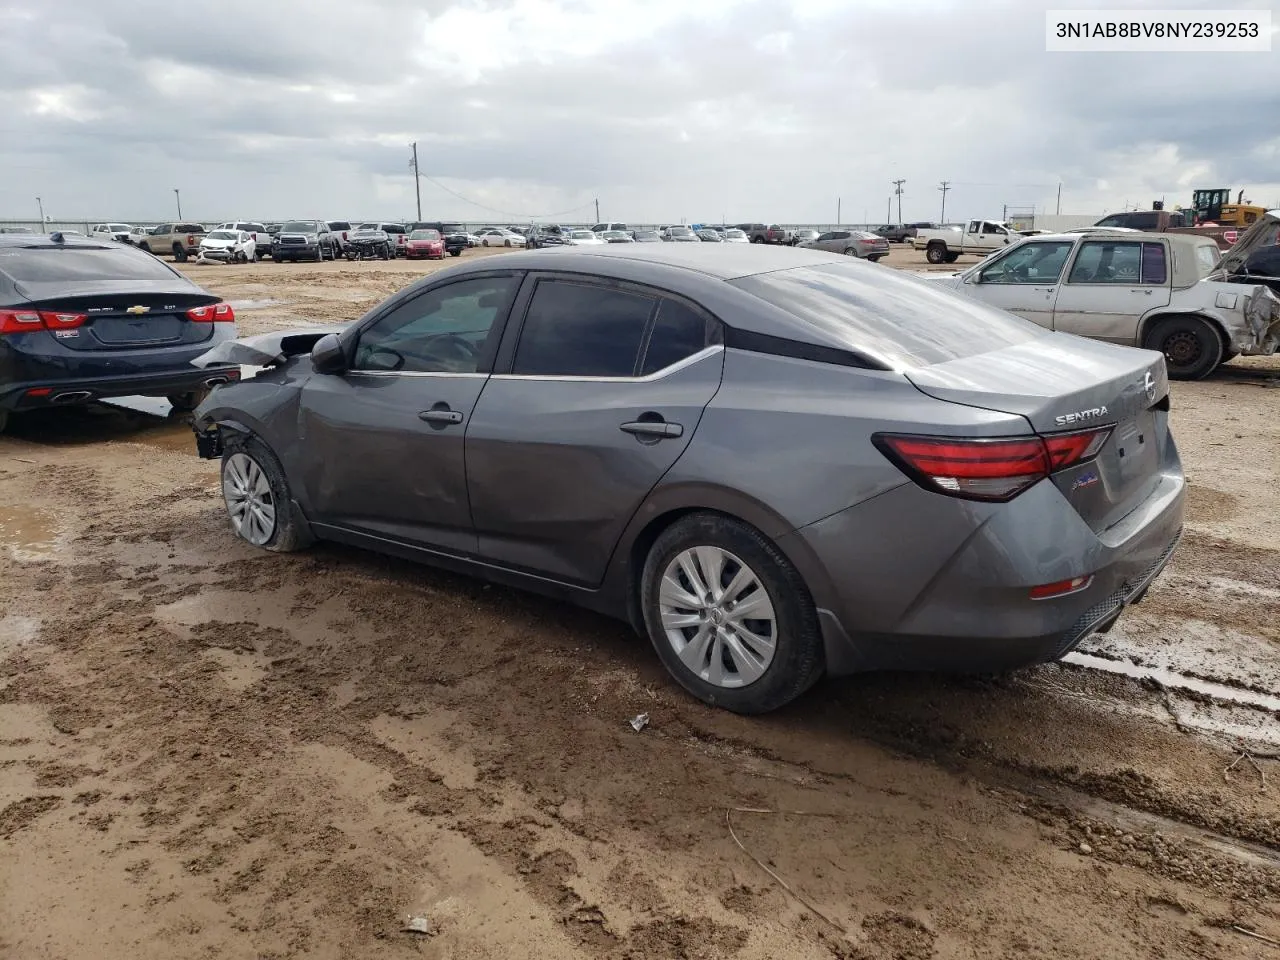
[71, 265]
[583, 235]
[738, 233]
[298, 226]
[222, 235]
[647, 234]
[424, 235]
[118, 227]
[681, 232]
[898, 318]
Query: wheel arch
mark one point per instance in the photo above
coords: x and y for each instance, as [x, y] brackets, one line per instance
[1156, 316]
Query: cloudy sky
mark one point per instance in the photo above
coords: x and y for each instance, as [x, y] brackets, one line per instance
[661, 109]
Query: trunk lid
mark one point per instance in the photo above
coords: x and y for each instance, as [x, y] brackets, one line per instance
[1068, 384]
[130, 320]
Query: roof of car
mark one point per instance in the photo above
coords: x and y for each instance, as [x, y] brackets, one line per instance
[725, 262]
[44, 240]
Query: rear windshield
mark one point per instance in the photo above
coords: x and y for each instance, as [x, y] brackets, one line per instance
[904, 321]
[70, 265]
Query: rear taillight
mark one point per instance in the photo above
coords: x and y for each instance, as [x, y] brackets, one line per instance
[30, 321]
[213, 313]
[997, 469]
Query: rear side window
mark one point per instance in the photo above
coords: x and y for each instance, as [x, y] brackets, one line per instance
[678, 332]
[904, 321]
[582, 330]
[1154, 269]
[67, 265]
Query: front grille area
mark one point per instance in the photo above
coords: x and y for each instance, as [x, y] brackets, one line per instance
[1099, 612]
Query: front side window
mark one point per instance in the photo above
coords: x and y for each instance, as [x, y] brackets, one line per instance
[444, 330]
[1107, 261]
[1030, 263]
[582, 330]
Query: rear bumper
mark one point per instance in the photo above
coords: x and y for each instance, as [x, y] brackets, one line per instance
[75, 391]
[957, 597]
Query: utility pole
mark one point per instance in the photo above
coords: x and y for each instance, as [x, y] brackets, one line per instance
[40, 204]
[1059, 210]
[178, 196]
[944, 186]
[597, 209]
[897, 184]
[837, 211]
[417, 184]
[888, 210]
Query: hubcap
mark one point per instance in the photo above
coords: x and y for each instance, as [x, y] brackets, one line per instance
[250, 502]
[718, 617]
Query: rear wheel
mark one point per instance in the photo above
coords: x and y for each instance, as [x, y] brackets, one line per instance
[876, 258]
[729, 616]
[257, 498]
[4, 420]
[1191, 346]
[186, 402]
[757, 239]
[179, 252]
[455, 253]
[936, 253]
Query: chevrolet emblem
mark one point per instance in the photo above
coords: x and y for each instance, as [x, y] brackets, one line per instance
[138, 309]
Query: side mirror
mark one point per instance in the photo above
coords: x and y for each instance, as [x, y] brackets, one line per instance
[327, 355]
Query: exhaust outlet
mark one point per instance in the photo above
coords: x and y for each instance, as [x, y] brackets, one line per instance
[72, 396]
[214, 381]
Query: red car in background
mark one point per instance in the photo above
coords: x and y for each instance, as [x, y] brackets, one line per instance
[424, 243]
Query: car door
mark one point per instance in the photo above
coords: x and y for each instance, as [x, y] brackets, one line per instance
[604, 389]
[1110, 285]
[382, 443]
[1024, 280]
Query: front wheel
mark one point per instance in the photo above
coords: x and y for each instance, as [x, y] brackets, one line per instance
[257, 498]
[936, 253]
[1192, 348]
[850, 251]
[729, 615]
[179, 253]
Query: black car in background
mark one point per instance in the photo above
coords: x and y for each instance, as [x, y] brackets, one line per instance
[305, 240]
[902, 232]
[547, 235]
[84, 319]
[455, 234]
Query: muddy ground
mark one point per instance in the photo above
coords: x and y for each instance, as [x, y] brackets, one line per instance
[209, 751]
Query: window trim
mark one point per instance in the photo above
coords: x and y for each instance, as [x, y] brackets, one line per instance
[1006, 253]
[484, 364]
[505, 359]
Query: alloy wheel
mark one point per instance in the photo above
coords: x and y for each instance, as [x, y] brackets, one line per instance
[718, 617]
[250, 501]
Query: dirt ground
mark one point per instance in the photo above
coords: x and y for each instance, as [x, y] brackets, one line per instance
[207, 751]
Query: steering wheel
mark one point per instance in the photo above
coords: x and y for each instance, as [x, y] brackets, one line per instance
[466, 347]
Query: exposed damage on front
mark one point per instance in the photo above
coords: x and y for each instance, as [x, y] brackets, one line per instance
[266, 349]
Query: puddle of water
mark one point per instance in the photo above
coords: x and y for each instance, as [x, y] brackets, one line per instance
[1177, 681]
[28, 531]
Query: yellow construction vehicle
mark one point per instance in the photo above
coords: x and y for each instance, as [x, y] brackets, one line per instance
[1215, 206]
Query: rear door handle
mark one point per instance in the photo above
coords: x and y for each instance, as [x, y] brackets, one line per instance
[652, 428]
[440, 416]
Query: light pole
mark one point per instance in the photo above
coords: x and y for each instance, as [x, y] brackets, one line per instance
[897, 188]
[178, 196]
[838, 200]
[40, 204]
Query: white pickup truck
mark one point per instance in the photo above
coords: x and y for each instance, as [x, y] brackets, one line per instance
[980, 237]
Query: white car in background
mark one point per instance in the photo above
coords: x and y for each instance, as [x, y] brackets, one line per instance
[734, 235]
[230, 246]
[585, 238]
[500, 237]
[118, 232]
[261, 239]
[1162, 291]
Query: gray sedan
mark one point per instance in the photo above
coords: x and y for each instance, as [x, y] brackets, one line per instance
[774, 463]
[852, 243]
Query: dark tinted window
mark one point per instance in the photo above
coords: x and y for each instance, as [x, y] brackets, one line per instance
[678, 332]
[441, 331]
[71, 265]
[189, 228]
[578, 330]
[299, 226]
[336, 225]
[1143, 221]
[900, 319]
[393, 228]
[1153, 263]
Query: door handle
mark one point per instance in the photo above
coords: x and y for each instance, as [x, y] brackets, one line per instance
[440, 416]
[652, 428]
[1140, 290]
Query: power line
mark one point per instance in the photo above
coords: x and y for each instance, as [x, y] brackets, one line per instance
[505, 213]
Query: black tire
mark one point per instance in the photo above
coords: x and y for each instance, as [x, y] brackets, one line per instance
[850, 251]
[179, 253]
[288, 535]
[144, 247]
[186, 402]
[797, 662]
[4, 420]
[319, 257]
[1191, 346]
[951, 257]
[757, 239]
[455, 253]
[936, 253]
[876, 258]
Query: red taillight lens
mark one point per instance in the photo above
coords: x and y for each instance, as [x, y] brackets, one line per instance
[61, 321]
[1061, 588]
[997, 469]
[214, 313]
[20, 321]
